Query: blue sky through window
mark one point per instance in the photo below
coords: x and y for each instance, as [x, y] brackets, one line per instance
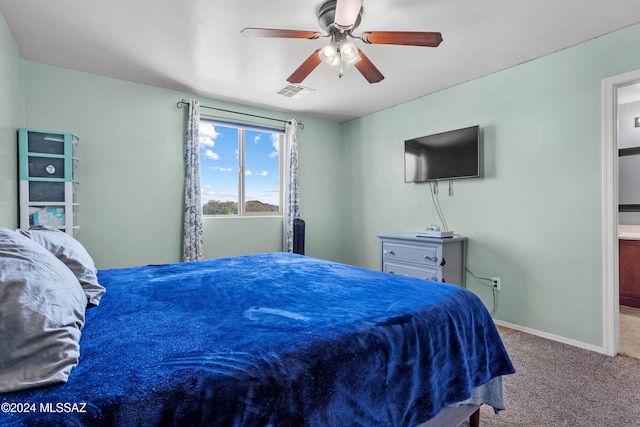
[219, 164]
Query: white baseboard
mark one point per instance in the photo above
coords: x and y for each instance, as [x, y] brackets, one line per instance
[553, 337]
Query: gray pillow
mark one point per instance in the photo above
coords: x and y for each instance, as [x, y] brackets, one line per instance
[42, 308]
[73, 255]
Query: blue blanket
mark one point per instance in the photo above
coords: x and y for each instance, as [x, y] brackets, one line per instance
[270, 340]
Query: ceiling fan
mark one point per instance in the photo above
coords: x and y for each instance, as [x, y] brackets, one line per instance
[339, 18]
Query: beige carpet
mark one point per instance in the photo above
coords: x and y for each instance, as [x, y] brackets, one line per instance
[560, 385]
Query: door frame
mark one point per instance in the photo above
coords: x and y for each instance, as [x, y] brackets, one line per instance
[610, 276]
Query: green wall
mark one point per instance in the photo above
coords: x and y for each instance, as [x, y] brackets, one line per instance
[534, 219]
[11, 118]
[131, 170]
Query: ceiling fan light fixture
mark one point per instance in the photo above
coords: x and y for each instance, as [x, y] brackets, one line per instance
[329, 55]
[349, 53]
[335, 63]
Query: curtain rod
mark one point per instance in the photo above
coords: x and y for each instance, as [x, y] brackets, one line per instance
[184, 102]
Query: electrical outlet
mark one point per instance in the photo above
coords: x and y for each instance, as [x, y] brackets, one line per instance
[496, 283]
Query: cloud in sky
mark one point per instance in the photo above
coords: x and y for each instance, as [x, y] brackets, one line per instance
[210, 154]
[208, 192]
[221, 169]
[275, 142]
[208, 134]
[263, 173]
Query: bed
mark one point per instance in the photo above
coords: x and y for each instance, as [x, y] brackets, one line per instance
[271, 339]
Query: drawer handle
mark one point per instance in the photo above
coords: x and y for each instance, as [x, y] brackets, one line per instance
[392, 272]
[391, 252]
[431, 258]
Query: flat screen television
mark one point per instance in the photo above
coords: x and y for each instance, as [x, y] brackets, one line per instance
[447, 155]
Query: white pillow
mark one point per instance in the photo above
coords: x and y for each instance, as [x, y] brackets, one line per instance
[42, 308]
[73, 255]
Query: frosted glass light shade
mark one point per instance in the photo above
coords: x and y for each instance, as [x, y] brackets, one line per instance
[329, 55]
[349, 53]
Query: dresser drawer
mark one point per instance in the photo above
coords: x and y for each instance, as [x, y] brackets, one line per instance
[424, 255]
[430, 258]
[407, 270]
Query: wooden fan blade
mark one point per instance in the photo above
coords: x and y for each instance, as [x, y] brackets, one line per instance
[406, 38]
[347, 12]
[367, 69]
[285, 34]
[306, 68]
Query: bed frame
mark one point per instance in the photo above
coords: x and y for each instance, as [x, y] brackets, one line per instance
[454, 416]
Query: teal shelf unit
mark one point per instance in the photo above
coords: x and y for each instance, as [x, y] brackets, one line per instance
[47, 166]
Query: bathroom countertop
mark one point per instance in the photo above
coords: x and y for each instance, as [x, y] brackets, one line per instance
[629, 232]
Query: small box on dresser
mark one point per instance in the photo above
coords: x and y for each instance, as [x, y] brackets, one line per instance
[430, 258]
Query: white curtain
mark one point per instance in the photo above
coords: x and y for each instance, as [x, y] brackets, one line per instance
[291, 188]
[192, 240]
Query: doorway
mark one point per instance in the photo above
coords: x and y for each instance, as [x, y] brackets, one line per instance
[628, 118]
[610, 187]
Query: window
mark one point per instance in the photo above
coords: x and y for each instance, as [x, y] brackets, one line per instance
[240, 169]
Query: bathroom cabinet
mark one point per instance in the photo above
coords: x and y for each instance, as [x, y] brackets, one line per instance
[629, 270]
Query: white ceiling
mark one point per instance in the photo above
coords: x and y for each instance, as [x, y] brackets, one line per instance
[196, 45]
[629, 93]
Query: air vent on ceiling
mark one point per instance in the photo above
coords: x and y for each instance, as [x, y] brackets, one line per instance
[295, 91]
